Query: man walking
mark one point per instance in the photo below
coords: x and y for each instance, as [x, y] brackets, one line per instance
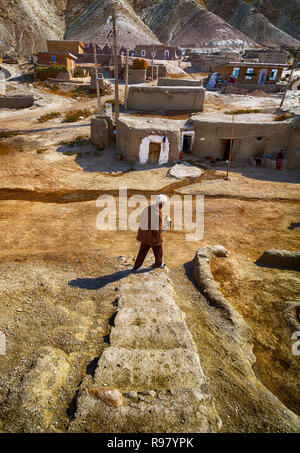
[150, 234]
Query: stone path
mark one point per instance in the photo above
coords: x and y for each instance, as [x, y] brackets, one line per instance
[152, 360]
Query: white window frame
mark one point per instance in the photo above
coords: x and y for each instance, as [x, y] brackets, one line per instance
[251, 71]
[275, 74]
[143, 53]
[167, 53]
[236, 70]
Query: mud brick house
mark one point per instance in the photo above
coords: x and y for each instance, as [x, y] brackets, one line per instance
[252, 73]
[64, 46]
[160, 140]
[55, 58]
[160, 52]
[266, 55]
[204, 62]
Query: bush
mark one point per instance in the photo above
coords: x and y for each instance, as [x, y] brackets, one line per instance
[139, 63]
[46, 72]
[76, 115]
[78, 73]
[48, 116]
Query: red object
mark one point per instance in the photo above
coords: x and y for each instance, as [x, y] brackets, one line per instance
[144, 249]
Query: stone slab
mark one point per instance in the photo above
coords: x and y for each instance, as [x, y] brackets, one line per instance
[147, 369]
[152, 336]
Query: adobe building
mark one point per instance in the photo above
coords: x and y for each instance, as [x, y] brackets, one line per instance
[55, 58]
[253, 135]
[65, 46]
[160, 140]
[159, 52]
[154, 98]
[266, 55]
[252, 75]
[207, 62]
[146, 140]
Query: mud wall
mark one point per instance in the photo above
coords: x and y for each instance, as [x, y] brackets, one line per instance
[179, 82]
[159, 98]
[16, 102]
[250, 139]
[130, 138]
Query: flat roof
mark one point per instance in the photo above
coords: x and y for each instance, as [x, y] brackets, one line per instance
[249, 64]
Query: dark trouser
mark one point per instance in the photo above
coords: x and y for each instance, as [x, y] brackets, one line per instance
[144, 249]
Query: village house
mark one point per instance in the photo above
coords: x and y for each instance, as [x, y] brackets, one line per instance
[266, 56]
[161, 140]
[252, 75]
[205, 62]
[55, 58]
[65, 46]
[159, 52]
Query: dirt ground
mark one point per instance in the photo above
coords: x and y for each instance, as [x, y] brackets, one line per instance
[59, 273]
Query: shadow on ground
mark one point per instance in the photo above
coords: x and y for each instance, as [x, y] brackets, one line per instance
[101, 282]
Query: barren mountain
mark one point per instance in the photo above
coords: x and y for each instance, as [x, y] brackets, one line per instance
[188, 23]
[269, 22]
[25, 25]
[88, 22]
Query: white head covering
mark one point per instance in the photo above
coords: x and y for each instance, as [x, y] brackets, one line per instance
[161, 199]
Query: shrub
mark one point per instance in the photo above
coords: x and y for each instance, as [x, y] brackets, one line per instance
[241, 112]
[7, 134]
[78, 73]
[76, 115]
[45, 72]
[48, 116]
[78, 141]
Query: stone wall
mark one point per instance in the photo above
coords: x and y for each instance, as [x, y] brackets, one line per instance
[16, 102]
[154, 98]
[155, 72]
[136, 75]
[102, 131]
[162, 70]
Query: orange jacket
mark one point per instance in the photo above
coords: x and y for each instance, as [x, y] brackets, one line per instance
[150, 226]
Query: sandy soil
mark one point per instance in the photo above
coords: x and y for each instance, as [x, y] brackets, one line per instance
[58, 272]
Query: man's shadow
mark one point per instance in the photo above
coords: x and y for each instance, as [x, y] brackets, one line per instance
[101, 282]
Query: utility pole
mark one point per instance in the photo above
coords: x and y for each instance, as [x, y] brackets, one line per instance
[97, 83]
[294, 66]
[117, 105]
[152, 68]
[126, 80]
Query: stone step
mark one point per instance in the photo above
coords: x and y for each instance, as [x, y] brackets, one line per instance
[147, 299]
[145, 369]
[152, 336]
[178, 411]
[140, 315]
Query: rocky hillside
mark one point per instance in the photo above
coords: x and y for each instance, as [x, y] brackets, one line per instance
[269, 22]
[88, 22]
[188, 23]
[25, 25]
